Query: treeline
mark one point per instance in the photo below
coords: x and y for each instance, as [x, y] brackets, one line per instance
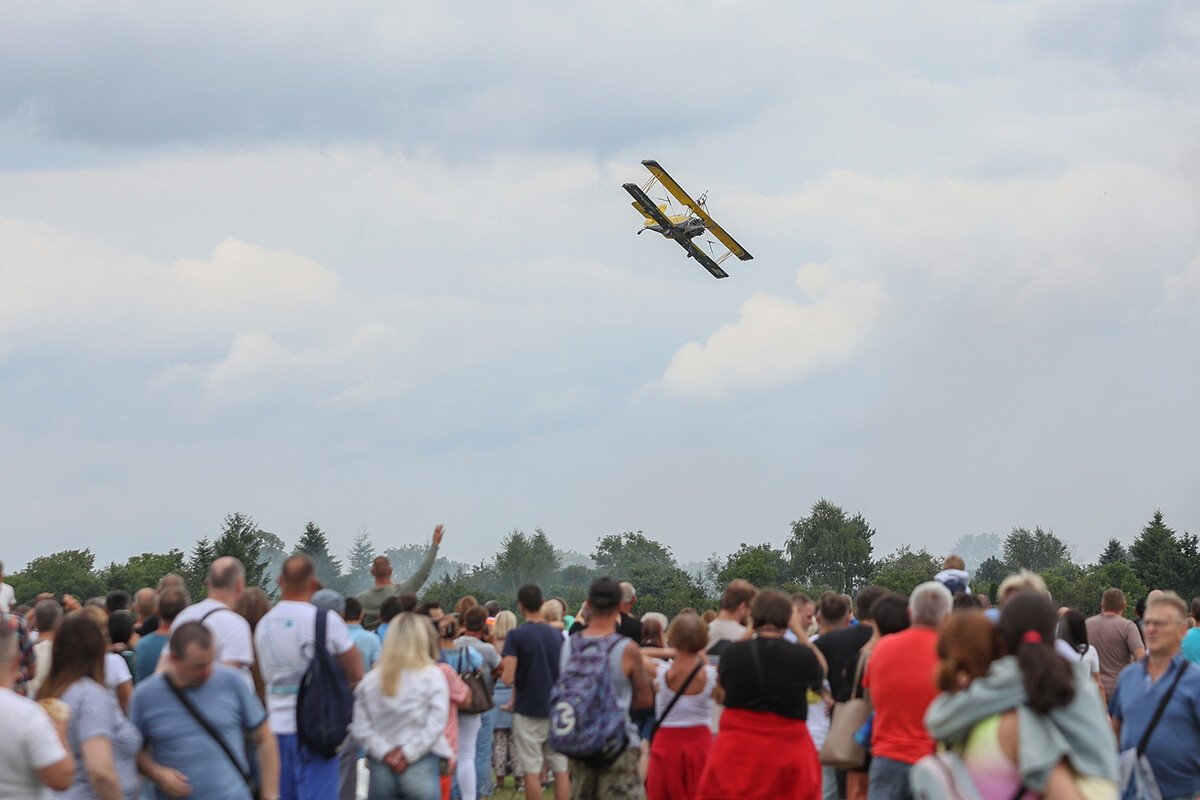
[828, 549]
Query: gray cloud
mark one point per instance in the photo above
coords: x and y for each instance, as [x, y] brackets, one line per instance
[376, 268]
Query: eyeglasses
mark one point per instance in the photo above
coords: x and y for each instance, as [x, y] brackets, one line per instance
[1160, 623]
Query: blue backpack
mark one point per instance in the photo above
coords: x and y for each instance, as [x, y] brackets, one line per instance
[586, 721]
[324, 704]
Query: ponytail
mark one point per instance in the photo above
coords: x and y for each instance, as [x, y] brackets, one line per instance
[1027, 624]
[1047, 675]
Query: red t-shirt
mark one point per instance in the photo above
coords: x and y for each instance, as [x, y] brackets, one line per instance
[900, 677]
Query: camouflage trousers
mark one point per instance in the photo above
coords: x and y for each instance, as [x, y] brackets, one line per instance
[619, 781]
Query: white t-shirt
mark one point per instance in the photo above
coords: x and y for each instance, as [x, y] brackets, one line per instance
[116, 672]
[1091, 657]
[230, 630]
[29, 743]
[818, 714]
[285, 638]
[726, 630]
[8, 597]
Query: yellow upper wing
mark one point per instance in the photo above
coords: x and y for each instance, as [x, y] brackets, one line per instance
[685, 199]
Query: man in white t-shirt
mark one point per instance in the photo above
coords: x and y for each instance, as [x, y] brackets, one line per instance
[226, 584]
[8, 597]
[285, 638]
[32, 750]
[730, 624]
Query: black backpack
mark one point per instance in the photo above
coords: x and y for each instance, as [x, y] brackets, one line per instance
[325, 703]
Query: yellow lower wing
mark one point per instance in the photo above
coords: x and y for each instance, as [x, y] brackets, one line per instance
[685, 199]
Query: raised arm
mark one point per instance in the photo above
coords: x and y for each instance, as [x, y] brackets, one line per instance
[418, 578]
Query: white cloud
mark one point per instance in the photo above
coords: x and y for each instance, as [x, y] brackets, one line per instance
[360, 370]
[777, 340]
[60, 288]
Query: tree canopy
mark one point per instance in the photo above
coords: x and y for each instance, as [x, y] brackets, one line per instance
[828, 549]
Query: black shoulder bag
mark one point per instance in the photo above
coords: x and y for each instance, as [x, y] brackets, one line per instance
[251, 783]
[687, 682]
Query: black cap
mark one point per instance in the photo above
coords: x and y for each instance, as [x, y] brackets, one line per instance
[604, 594]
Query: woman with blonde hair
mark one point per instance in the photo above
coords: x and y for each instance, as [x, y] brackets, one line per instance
[400, 713]
[504, 746]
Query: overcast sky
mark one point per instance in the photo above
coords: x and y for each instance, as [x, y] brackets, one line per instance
[372, 266]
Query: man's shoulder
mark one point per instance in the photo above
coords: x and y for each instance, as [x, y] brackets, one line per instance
[152, 684]
[475, 643]
[20, 706]
[534, 632]
[853, 635]
[900, 645]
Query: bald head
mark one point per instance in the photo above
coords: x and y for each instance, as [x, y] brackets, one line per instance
[298, 576]
[145, 602]
[225, 573]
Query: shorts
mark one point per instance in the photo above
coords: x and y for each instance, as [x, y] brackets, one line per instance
[530, 734]
[618, 781]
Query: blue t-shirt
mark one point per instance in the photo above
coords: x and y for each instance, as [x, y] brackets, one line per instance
[146, 654]
[178, 741]
[537, 647]
[1172, 751]
[367, 643]
[1191, 645]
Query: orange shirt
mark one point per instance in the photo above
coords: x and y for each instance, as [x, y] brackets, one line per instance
[900, 679]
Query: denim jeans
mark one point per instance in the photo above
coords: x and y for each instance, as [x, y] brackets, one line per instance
[483, 754]
[888, 780]
[419, 782]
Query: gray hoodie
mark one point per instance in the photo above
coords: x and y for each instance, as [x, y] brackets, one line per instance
[1078, 731]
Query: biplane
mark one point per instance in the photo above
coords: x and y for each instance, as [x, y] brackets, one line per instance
[683, 228]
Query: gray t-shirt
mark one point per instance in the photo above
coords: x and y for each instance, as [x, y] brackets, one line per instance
[94, 712]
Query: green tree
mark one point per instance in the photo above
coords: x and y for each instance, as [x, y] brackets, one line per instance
[761, 564]
[904, 570]
[1036, 551]
[1068, 586]
[141, 571]
[314, 544]
[1156, 556]
[829, 548]
[199, 561]
[241, 538]
[525, 559]
[358, 563]
[1189, 565]
[65, 572]
[650, 566]
[1117, 575]
[1114, 551]
[993, 570]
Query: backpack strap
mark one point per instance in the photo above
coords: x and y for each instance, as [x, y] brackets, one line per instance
[322, 621]
[1162, 708]
[212, 611]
